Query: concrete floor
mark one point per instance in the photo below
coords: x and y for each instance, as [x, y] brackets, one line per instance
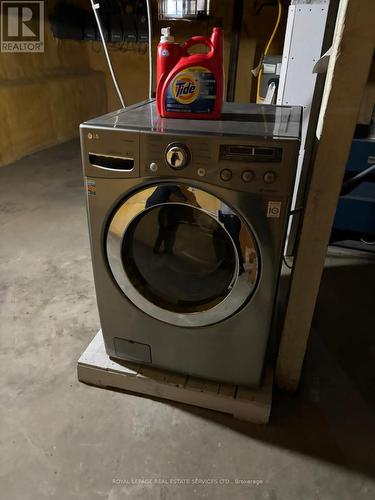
[61, 439]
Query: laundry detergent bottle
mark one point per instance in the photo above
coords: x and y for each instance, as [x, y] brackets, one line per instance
[190, 85]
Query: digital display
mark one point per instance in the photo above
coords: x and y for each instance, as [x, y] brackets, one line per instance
[245, 153]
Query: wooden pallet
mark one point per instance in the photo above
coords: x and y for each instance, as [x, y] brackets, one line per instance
[96, 368]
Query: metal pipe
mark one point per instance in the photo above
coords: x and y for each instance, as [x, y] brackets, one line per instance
[150, 58]
[95, 8]
[234, 48]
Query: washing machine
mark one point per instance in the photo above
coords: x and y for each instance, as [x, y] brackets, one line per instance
[187, 222]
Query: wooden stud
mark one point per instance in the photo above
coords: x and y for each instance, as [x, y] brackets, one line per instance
[348, 70]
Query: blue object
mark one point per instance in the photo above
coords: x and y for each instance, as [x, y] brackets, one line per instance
[356, 210]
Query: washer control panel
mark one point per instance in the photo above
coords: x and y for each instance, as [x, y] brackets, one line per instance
[259, 167]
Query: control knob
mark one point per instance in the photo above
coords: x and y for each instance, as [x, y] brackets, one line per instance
[177, 156]
[270, 177]
[248, 175]
[226, 174]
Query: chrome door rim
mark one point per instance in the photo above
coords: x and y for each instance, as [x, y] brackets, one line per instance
[237, 296]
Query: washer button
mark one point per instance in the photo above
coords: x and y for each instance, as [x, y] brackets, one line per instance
[201, 172]
[248, 175]
[226, 174]
[269, 177]
[153, 167]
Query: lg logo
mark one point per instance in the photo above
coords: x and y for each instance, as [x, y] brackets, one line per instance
[22, 26]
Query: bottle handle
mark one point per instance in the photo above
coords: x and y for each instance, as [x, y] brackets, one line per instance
[195, 40]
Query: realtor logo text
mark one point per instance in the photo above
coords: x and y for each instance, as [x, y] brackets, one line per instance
[22, 26]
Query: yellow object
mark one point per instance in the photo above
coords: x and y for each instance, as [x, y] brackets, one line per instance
[45, 96]
[280, 8]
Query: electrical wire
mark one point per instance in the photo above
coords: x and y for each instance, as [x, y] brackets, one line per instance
[286, 263]
[296, 211]
[354, 182]
[292, 212]
[95, 8]
[150, 60]
[269, 43]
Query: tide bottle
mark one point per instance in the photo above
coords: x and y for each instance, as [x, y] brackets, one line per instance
[190, 85]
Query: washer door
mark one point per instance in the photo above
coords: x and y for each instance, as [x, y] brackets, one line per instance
[181, 255]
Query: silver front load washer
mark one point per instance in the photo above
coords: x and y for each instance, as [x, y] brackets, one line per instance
[187, 222]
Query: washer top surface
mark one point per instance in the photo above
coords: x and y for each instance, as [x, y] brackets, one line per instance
[251, 120]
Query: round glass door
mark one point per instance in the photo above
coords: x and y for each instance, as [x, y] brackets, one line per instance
[182, 255]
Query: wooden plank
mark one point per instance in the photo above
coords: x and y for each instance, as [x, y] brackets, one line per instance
[227, 390]
[161, 376]
[197, 384]
[95, 368]
[246, 397]
[349, 65]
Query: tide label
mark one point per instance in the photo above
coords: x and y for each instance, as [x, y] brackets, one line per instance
[193, 90]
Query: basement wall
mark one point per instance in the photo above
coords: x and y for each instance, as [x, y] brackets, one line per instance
[45, 96]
